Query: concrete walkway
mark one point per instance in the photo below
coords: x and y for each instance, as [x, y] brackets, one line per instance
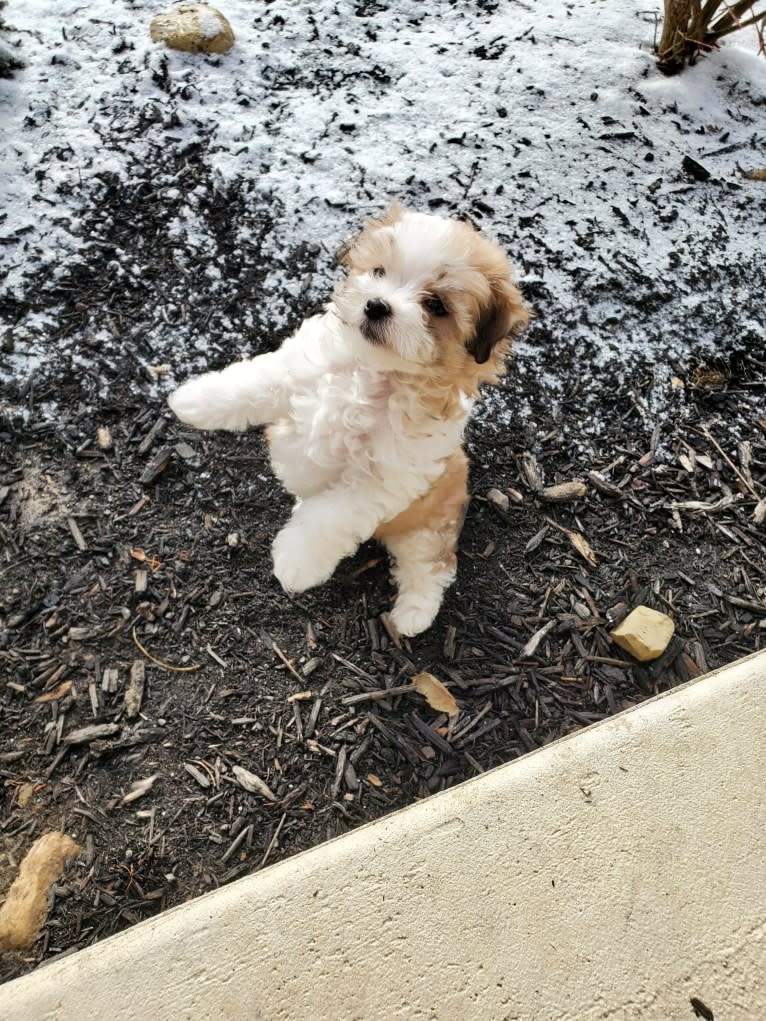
[619, 873]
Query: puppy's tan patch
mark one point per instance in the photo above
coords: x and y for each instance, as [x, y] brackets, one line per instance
[442, 509]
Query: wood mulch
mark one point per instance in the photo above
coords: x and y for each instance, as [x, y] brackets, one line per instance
[187, 723]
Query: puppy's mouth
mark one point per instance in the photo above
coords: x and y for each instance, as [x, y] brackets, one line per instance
[373, 330]
[377, 314]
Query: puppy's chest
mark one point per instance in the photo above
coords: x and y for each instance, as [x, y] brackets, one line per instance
[339, 416]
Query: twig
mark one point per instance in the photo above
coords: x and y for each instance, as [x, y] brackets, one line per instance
[162, 663]
[403, 689]
[287, 662]
[273, 841]
[704, 432]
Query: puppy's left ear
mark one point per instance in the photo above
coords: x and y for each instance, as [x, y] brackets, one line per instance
[392, 215]
[505, 315]
[342, 254]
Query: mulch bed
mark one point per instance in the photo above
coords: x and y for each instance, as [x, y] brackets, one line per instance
[143, 637]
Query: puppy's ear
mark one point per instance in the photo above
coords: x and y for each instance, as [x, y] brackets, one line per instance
[503, 316]
[392, 215]
[342, 255]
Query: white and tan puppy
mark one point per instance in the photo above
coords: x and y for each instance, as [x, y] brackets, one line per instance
[367, 404]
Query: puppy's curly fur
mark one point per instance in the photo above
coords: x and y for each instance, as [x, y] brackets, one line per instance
[367, 403]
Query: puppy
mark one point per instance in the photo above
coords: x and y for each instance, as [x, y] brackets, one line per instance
[367, 403]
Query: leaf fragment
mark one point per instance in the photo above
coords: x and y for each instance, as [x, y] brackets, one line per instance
[435, 693]
[252, 783]
[582, 546]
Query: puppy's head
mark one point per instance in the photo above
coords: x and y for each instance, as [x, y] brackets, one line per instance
[432, 291]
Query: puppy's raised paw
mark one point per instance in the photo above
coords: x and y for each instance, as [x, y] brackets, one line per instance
[208, 402]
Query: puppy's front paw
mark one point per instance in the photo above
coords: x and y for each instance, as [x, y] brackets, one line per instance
[207, 402]
[191, 403]
[300, 562]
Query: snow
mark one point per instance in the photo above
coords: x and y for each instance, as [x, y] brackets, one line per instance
[547, 124]
[210, 25]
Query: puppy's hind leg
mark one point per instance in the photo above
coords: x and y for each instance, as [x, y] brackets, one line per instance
[424, 567]
[423, 543]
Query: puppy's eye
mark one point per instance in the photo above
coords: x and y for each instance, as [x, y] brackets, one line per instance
[435, 306]
[378, 272]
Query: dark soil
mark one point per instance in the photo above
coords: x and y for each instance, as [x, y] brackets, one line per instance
[154, 548]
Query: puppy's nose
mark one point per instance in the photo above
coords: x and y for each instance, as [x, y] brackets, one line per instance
[377, 309]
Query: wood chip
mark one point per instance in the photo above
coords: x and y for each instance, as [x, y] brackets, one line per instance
[52, 696]
[531, 472]
[565, 492]
[140, 788]
[76, 534]
[156, 466]
[156, 431]
[202, 778]
[536, 540]
[696, 508]
[598, 482]
[532, 645]
[578, 541]
[134, 692]
[91, 733]
[582, 546]
[499, 499]
[110, 680]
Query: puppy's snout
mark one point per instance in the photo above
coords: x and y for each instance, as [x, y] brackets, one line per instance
[376, 308]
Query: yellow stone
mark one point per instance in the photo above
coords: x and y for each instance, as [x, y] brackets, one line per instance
[193, 28]
[645, 633]
[26, 905]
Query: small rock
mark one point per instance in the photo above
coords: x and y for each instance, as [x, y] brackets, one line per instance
[232, 540]
[193, 28]
[499, 499]
[645, 633]
[185, 451]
